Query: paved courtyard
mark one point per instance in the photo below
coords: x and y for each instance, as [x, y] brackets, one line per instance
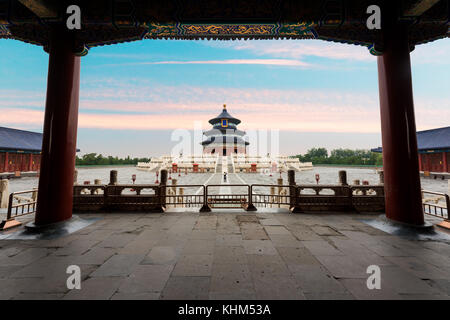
[229, 254]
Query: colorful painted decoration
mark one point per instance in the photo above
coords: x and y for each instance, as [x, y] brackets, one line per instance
[304, 30]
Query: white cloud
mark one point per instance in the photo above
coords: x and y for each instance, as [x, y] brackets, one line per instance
[267, 62]
[299, 49]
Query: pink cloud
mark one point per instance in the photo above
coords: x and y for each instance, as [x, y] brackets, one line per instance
[164, 107]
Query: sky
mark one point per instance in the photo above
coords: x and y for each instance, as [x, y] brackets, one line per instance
[135, 97]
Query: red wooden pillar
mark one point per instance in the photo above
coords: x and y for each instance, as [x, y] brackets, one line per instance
[420, 162]
[30, 162]
[6, 162]
[60, 130]
[444, 161]
[398, 129]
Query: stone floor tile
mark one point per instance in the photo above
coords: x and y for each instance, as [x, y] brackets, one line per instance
[443, 285]
[162, 255]
[252, 231]
[77, 247]
[226, 254]
[343, 266]
[146, 278]
[25, 257]
[276, 230]
[270, 222]
[49, 265]
[324, 231]
[186, 288]
[272, 264]
[119, 265]
[420, 268]
[193, 265]
[303, 232]
[285, 240]
[95, 289]
[95, 256]
[358, 288]
[237, 295]
[297, 256]
[136, 296]
[404, 282]
[276, 286]
[424, 297]
[229, 240]
[329, 296]
[117, 240]
[198, 247]
[315, 279]
[9, 288]
[259, 247]
[39, 296]
[321, 248]
[231, 278]
[203, 234]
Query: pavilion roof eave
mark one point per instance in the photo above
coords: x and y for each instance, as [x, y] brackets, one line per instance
[30, 21]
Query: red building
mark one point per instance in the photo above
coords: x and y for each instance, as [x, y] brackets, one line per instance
[434, 150]
[19, 150]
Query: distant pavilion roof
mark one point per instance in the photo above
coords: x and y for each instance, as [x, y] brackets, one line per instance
[20, 140]
[224, 115]
[429, 140]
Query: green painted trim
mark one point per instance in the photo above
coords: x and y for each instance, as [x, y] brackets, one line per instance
[19, 151]
[433, 151]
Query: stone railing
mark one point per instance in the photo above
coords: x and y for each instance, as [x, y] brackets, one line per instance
[339, 198]
[119, 198]
[299, 198]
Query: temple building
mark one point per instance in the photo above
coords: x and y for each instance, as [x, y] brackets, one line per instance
[225, 148]
[434, 150]
[19, 150]
[224, 138]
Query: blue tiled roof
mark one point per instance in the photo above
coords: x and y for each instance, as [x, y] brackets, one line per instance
[430, 139]
[434, 139]
[15, 139]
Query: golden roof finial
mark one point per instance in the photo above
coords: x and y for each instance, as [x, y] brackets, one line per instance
[224, 107]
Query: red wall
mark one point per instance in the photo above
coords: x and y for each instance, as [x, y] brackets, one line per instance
[19, 162]
[435, 162]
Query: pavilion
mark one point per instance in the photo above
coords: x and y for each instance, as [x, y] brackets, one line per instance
[404, 24]
[224, 137]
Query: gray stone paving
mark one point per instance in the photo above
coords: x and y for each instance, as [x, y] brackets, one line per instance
[225, 255]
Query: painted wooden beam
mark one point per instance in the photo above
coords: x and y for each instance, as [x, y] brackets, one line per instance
[419, 7]
[41, 8]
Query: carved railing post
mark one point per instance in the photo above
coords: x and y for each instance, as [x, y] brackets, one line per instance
[294, 193]
[205, 207]
[250, 206]
[113, 177]
[162, 190]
